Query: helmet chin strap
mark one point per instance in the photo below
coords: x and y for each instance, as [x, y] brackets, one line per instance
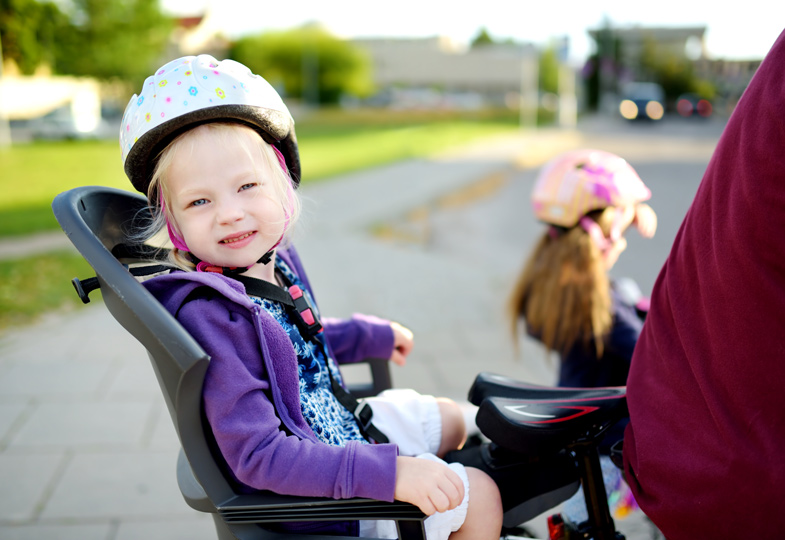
[605, 244]
[202, 266]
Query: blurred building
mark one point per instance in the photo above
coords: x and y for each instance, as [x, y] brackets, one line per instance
[437, 72]
[625, 48]
[730, 77]
[632, 41]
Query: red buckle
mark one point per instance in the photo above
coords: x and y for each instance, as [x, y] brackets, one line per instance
[305, 314]
[555, 527]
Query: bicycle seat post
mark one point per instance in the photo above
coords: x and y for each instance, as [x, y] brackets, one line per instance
[600, 520]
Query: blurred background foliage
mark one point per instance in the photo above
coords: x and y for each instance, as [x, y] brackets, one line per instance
[105, 39]
[307, 62]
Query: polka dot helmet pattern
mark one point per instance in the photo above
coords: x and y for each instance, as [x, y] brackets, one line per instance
[195, 90]
[576, 182]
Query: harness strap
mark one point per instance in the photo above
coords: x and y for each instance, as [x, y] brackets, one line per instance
[360, 409]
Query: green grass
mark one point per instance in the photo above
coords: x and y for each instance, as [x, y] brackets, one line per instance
[32, 174]
[329, 154]
[331, 143]
[40, 284]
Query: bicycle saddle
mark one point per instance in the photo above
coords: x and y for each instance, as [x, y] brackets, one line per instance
[536, 419]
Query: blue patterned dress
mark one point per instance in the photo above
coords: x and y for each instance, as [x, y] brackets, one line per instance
[330, 421]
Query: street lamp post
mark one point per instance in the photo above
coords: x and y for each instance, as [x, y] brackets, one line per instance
[529, 89]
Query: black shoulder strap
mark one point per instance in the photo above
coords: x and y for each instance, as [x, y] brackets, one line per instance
[265, 289]
[149, 269]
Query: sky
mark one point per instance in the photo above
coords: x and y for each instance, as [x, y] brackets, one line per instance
[735, 30]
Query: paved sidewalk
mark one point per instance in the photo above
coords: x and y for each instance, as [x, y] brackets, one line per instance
[87, 450]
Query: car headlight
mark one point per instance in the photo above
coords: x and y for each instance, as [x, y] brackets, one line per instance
[654, 110]
[628, 109]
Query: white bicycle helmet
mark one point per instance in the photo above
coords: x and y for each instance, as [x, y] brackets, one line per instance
[196, 90]
[574, 183]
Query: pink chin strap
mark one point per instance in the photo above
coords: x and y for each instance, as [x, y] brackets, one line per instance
[603, 243]
[202, 266]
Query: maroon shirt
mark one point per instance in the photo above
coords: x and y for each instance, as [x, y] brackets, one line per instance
[705, 448]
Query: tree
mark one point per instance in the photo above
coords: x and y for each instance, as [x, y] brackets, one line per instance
[111, 39]
[28, 30]
[482, 38]
[307, 62]
[674, 73]
[107, 39]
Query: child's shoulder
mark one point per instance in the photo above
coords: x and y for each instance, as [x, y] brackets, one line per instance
[174, 288]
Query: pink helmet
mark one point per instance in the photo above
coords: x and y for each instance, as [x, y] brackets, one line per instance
[574, 183]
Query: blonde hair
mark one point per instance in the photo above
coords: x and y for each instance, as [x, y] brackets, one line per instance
[227, 133]
[563, 292]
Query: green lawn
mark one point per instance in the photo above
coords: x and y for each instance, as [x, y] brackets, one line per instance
[39, 284]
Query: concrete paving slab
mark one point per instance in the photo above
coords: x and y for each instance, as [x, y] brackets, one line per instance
[58, 531]
[25, 480]
[50, 378]
[134, 377]
[118, 485]
[171, 529]
[162, 435]
[84, 425]
[10, 414]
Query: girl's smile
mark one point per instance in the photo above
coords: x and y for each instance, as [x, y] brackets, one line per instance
[237, 241]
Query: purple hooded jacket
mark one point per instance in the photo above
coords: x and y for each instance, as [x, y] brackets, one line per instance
[251, 390]
[705, 447]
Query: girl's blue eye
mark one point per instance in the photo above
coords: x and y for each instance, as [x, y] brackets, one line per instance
[247, 186]
[199, 202]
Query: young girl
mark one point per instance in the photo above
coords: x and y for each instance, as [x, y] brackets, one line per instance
[213, 147]
[588, 198]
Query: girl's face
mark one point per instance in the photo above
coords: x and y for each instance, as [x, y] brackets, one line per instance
[223, 203]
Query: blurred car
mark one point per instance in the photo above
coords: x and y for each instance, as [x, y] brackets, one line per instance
[688, 105]
[63, 124]
[642, 101]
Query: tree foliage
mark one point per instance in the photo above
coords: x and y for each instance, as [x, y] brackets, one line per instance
[548, 72]
[675, 74]
[113, 39]
[307, 62]
[107, 39]
[28, 29]
[482, 38]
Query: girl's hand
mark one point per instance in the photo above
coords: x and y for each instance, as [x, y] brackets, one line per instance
[645, 220]
[403, 342]
[430, 486]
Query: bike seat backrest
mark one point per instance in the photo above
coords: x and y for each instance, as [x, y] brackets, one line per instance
[537, 420]
[97, 220]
